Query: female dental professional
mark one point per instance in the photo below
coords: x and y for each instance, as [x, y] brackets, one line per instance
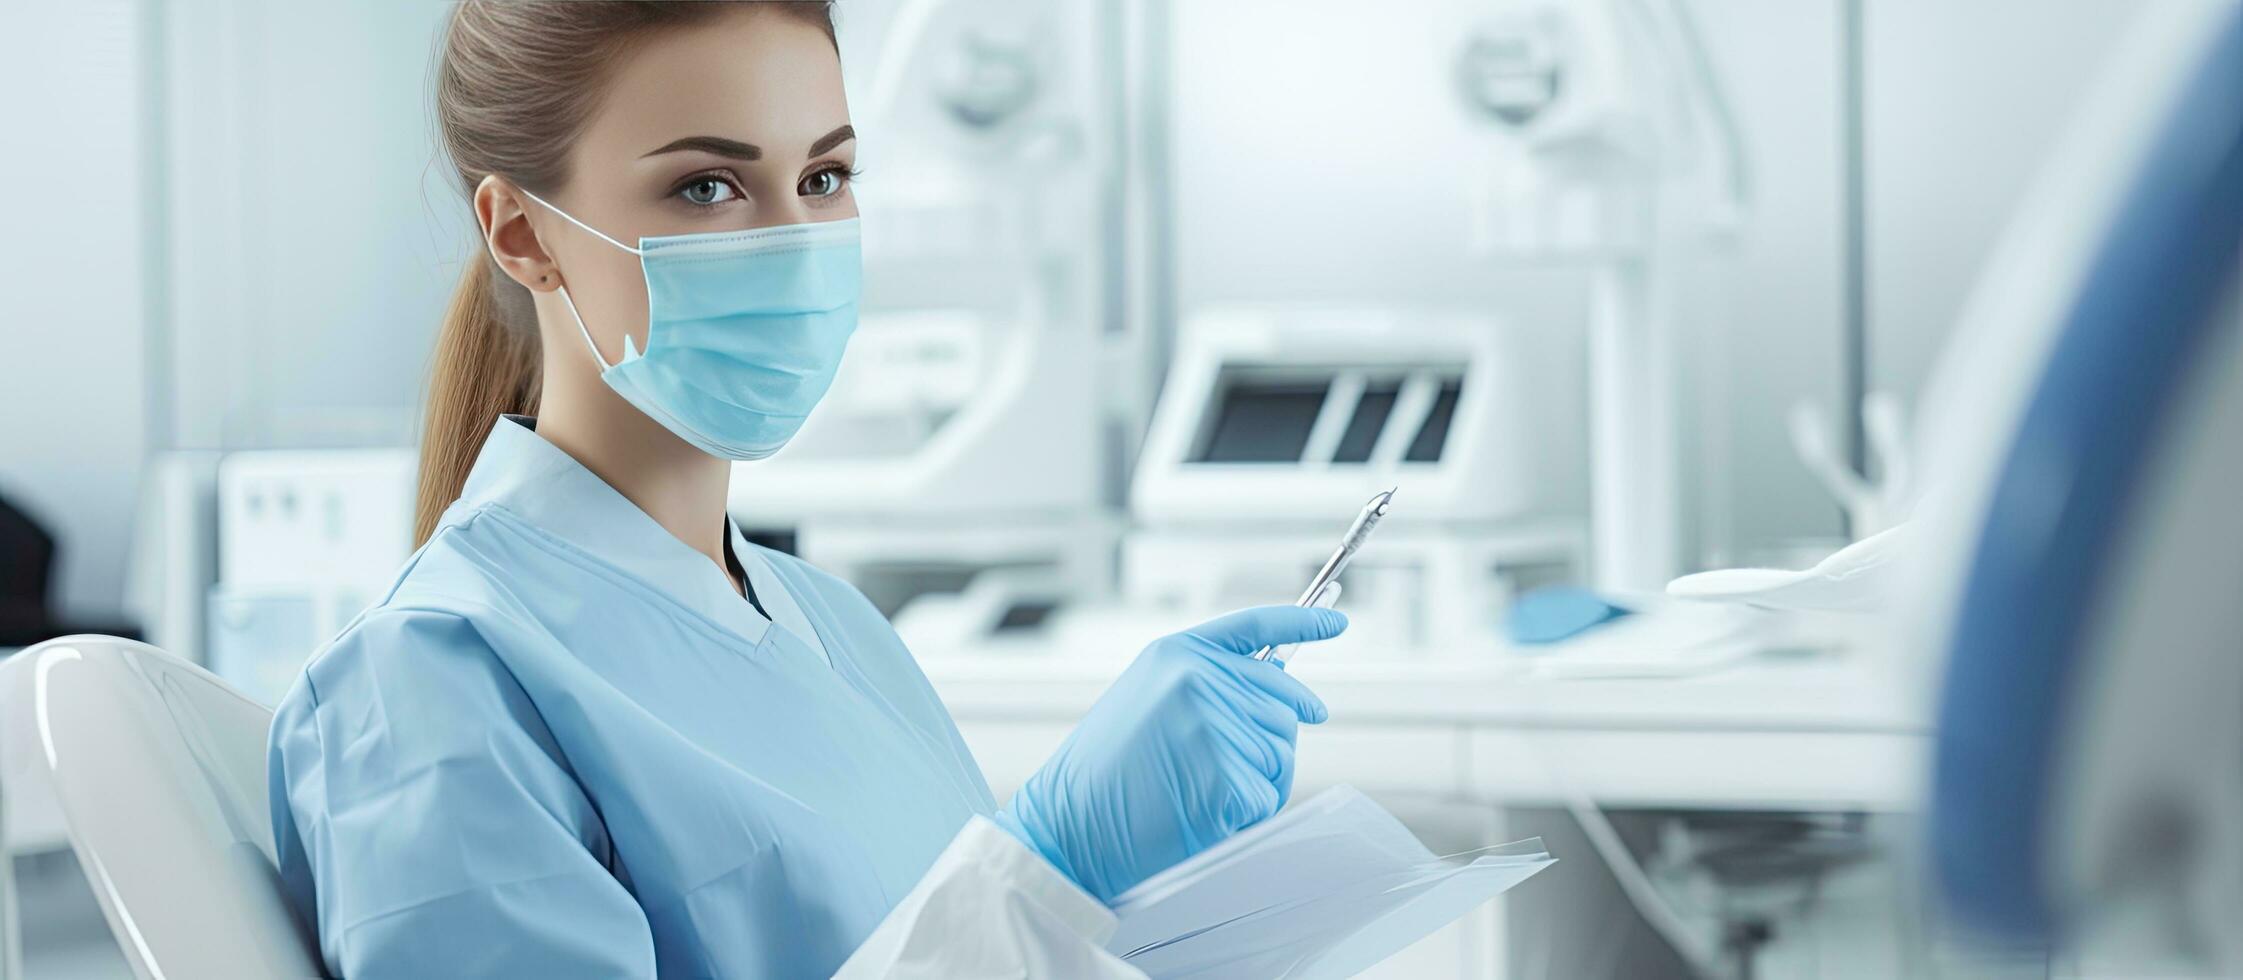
[589, 731]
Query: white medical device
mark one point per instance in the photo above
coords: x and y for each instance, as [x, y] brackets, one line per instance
[307, 539]
[1275, 419]
[1610, 147]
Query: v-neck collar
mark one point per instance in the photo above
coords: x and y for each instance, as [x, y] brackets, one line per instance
[777, 599]
[534, 480]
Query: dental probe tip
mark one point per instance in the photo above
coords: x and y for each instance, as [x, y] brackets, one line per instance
[1380, 501]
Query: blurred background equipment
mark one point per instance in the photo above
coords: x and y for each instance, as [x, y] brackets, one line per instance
[306, 539]
[1275, 423]
[1613, 148]
[1158, 292]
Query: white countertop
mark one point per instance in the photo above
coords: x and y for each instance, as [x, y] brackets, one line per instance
[1801, 731]
[1805, 693]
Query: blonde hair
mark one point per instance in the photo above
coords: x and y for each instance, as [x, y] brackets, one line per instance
[515, 84]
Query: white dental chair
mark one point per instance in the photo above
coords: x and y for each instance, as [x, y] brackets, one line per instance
[159, 770]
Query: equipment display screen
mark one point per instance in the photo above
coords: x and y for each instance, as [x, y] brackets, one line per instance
[1268, 415]
[1262, 421]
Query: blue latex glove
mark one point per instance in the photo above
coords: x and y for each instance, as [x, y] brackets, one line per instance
[1193, 743]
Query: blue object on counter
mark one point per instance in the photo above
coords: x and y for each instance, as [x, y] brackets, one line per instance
[1549, 615]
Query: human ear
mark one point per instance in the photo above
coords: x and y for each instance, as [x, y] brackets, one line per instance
[507, 234]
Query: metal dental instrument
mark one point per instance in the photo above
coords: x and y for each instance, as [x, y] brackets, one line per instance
[1350, 543]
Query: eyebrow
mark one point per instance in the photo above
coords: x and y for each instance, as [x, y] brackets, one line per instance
[711, 144]
[747, 151]
[833, 139]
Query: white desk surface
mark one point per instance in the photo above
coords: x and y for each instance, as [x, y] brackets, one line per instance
[1806, 692]
[1796, 732]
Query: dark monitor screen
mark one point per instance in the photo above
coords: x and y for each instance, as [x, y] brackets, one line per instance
[1433, 436]
[1262, 421]
[1263, 417]
[1363, 430]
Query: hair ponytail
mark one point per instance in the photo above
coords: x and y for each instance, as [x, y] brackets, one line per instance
[484, 367]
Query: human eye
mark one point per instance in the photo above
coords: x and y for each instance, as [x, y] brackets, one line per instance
[707, 190]
[826, 182]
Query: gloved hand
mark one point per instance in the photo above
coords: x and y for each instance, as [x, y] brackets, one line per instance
[1192, 743]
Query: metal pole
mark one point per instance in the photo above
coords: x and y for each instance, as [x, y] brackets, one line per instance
[1854, 161]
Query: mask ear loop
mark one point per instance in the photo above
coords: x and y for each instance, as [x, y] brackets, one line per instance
[581, 329]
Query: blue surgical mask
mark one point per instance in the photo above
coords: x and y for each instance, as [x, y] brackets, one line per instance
[744, 331]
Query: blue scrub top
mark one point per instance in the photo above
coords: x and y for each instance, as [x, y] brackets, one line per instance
[563, 745]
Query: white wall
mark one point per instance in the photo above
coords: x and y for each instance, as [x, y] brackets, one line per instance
[314, 235]
[308, 237]
[1966, 101]
[309, 244]
[72, 402]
